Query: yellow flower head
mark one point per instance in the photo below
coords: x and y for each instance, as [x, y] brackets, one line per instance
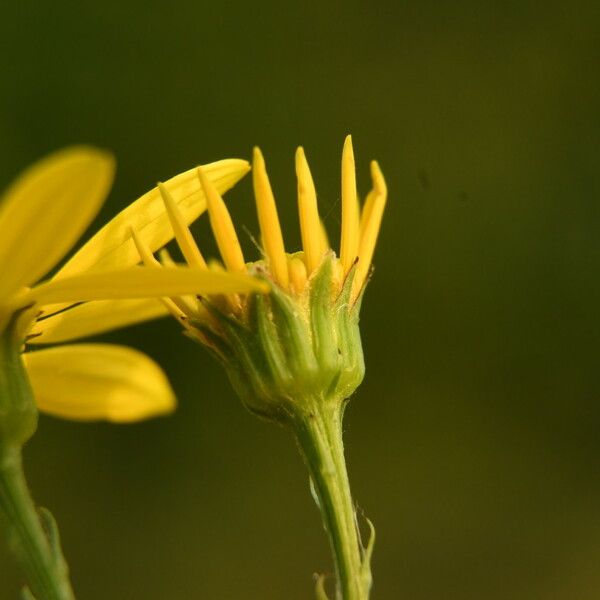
[42, 214]
[302, 339]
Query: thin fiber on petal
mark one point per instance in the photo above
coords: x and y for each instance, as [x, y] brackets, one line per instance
[112, 247]
[90, 382]
[92, 318]
[45, 211]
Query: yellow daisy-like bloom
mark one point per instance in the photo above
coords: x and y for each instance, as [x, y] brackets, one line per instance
[293, 355]
[312, 287]
[42, 215]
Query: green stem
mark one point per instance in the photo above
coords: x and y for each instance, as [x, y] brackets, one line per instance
[35, 546]
[319, 436]
[43, 566]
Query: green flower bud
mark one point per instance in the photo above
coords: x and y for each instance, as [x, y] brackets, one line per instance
[285, 351]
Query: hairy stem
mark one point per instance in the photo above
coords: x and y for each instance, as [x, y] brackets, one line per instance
[32, 535]
[319, 436]
[43, 565]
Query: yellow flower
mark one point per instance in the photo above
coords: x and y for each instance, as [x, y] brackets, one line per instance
[42, 215]
[293, 356]
[312, 284]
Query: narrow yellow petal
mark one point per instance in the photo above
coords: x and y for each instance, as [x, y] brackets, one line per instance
[366, 213]
[350, 210]
[297, 274]
[165, 258]
[222, 226]
[92, 318]
[371, 231]
[233, 300]
[269, 221]
[90, 382]
[183, 235]
[112, 247]
[174, 310]
[185, 305]
[46, 210]
[145, 253]
[310, 224]
[139, 282]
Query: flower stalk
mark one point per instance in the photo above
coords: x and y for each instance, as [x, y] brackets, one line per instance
[31, 534]
[319, 437]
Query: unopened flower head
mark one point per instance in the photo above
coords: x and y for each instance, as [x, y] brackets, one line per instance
[300, 342]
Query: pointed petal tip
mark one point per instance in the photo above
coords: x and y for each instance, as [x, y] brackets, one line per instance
[201, 175]
[239, 164]
[348, 150]
[378, 178]
[166, 196]
[301, 162]
[206, 185]
[246, 167]
[84, 152]
[258, 161]
[257, 154]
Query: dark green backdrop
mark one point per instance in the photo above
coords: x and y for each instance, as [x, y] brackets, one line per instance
[473, 443]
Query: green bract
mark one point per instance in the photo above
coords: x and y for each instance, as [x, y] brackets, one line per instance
[285, 350]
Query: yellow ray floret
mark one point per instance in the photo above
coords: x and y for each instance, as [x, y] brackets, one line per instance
[177, 306]
[222, 226]
[310, 224]
[297, 274]
[269, 221]
[92, 318]
[371, 228]
[112, 246]
[165, 258]
[146, 255]
[184, 237]
[366, 212]
[46, 209]
[350, 209]
[139, 282]
[89, 382]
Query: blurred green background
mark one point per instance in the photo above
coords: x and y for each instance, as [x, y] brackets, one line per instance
[473, 443]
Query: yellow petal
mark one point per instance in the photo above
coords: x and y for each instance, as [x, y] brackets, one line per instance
[269, 221]
[92, 318]
[185, 305]
[297, 269]
[371, 229]
[90, 382]
[310, 224]
[350, 208]
[222, 226]
[139, 282]
[112, 247]
[183, 235]
[365, 214]
[46, 210]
